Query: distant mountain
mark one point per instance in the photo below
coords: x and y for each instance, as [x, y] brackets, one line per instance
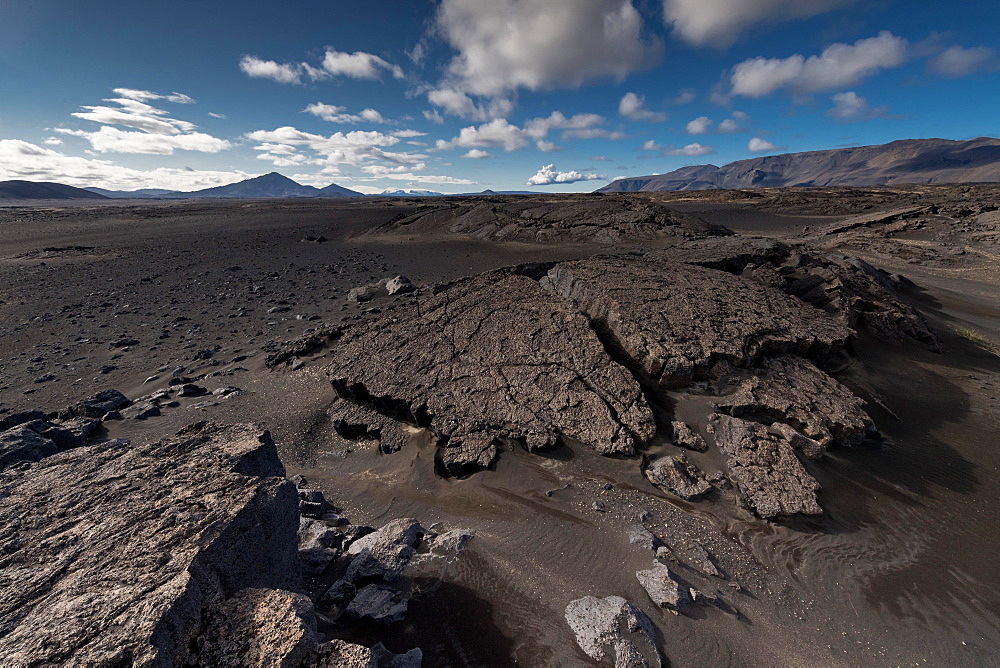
[143, 193]
[904, 161]
[32, 190]
[407, 193]
[268, 185]
[504, 192]
[333, 190]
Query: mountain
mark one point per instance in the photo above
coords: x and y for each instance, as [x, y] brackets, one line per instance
[333, 190]
[143, 193]
[904, 161]
[33, 190]
[503, 192]
[407, 193]
[268, 185]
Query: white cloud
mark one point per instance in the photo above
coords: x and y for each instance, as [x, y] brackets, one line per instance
[693, 149]
[732, 124]
[408, 133]
[431, 178]
[286, 73]
[356, 148]
[504, 45]
[457, 103]
[144, 95]
[850, 107]
[699, 126]
[113, 140]
[152, 130]
[600, 158]
[358, 65]
[548, 175]
[720, 22]
[477, 154]
[547, 146]
[631, 106]
[758, 145]
[215, 115]
[838, 66]
[335, 114]
[433, 116]
[23, 160]
[956, 61]
[52, 141]
[498, 133]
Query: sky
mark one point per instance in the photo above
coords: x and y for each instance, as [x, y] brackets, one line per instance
[463, 95]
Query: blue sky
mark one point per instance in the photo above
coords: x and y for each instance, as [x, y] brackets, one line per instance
[463, 95]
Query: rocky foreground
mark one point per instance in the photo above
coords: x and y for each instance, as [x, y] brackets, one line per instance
[194, 548]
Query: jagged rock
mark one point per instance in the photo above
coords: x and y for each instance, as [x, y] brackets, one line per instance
[22, 443]
[674, 321]
[809, 448]
[685, 437]
[551, 219]
[96, 407]
[355, 421]
[858, 294]
[399, 285]
[701, 559]
[382, 604]
[312, 503]
[643, 537]
[612, 629]
[260, 627]
[365, 293]
[15, 419]
[304, 345]
[340, 654]
[662, 586]
[791, 390]
[142, 411]
[385, 553]
[318, 546]
[468, 452]
[133, 549]
[678, 476]
[497, 356]
[764, 466]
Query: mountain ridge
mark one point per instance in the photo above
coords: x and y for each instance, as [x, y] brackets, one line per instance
[902, 161]
[18, 190]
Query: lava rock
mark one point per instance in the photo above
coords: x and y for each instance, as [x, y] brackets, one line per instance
[662, 586]
[612, 629]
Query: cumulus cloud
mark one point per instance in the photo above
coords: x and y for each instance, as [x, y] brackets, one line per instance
[692, 150]
[457, 103]
[956, 61]
[758, 145]
[732, 124]
[477, 154]
[699, 126]
[509, 44]
[258, 68]
[632, 106]
[408, 133]
[838, 66]
[335, 114]
[151, 130]
[433, 116]
[358, 65]
[548, 175]
[720, 22]
[114, 140]
[23, 160]
[356, 148]
[850, 107]
[52, 141]
[498, 133]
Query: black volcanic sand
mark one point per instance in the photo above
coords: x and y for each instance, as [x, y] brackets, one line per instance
[901, 569]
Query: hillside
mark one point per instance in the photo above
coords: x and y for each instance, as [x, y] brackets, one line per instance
[16, 190]
[904, 161]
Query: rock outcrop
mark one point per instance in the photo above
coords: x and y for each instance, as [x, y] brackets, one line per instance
[489, 358]
[134, 549]
[765, 469]
[613, 630]
[673, 322]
